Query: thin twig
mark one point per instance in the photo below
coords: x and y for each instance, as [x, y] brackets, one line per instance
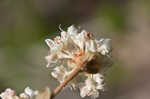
[66, 81]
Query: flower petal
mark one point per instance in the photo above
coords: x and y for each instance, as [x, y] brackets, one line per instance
[50, 43]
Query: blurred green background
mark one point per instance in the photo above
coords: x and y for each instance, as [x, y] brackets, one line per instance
[25, 24]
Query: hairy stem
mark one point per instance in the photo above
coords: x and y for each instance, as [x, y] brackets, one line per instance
[66, 81]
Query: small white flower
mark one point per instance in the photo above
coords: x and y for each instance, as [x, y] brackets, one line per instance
[93, 83]
[24, 96]
[9, 94]
[72, 30]
[73, 48]
[28, 93]
[104, 46]
[59, 73]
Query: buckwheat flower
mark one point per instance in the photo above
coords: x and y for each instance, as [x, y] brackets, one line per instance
[93, 83]
[73, 49]
[24, 96]
[104, 46]
[9, 94]
[59, 73]
[28, 93]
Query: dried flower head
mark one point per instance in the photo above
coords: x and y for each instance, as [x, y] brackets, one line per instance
[72, 49]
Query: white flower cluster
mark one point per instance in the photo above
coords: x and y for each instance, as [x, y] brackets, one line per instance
[92, 84]
[73, 48]
[11, 94]
[28, 93]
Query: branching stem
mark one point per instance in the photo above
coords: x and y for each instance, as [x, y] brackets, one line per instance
[66, 81]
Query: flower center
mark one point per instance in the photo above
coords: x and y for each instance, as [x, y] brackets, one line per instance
[88, 36]
[78, 56]
[57, 39]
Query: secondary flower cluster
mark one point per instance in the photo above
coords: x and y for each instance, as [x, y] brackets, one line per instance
[27, 94]
[11, 94]
[74, 48]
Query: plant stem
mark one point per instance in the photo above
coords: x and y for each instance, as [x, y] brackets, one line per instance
[66, 81]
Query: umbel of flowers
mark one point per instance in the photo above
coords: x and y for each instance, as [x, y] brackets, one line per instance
[74, 49]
